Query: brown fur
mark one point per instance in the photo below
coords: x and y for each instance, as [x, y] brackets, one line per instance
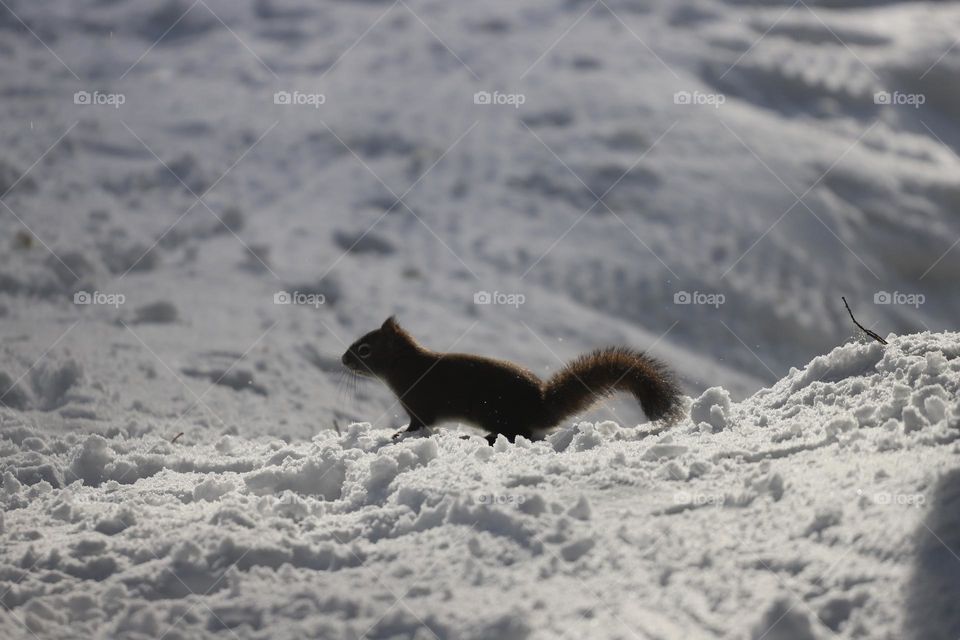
[501, 397]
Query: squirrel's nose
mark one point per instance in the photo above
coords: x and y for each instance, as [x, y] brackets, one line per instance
[343, 358]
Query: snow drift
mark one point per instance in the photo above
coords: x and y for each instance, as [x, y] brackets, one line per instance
[823, 506]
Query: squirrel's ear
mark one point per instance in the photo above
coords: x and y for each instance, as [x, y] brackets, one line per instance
[390, 324]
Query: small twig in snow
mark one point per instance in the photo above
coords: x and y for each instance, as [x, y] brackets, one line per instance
[176, 437]
[870, 333]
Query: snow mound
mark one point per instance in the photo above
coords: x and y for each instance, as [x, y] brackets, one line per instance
[819, 505]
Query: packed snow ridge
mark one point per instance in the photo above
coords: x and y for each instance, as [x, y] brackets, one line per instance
[824, 506]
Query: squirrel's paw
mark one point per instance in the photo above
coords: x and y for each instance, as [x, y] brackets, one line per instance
[404, 433]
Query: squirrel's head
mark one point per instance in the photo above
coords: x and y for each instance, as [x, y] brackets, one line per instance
[376, 352]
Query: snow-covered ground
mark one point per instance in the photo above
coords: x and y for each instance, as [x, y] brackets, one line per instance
[703, 179]
[824, 506]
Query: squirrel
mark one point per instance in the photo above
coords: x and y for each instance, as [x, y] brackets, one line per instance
[501, 397]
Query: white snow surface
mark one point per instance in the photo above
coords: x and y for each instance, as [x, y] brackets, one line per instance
[717, 235]
[824, 506]
[198, 198]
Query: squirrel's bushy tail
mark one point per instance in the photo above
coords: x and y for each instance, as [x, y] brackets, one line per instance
[598, 374]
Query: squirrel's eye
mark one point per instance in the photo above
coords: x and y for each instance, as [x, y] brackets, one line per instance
[364, 350]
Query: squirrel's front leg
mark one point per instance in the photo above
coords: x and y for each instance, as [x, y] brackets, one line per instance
[415, 425]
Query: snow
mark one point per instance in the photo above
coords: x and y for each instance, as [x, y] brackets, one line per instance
[187, 254]
[822, 507]
[711, 408]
